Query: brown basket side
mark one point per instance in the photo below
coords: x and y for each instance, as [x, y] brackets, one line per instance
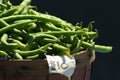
[37, 70]
[24, 70]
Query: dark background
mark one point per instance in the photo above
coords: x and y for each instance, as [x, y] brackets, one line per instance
[106, 15]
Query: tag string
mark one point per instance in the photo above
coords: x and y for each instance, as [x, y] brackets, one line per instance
[70, 78]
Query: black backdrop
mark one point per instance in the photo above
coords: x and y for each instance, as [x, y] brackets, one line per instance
[106, 15]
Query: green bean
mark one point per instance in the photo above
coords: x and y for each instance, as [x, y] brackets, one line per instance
[1, 11]
[8, 12]
[90, 26]
[3, 23]
[4, 1]
[48, 40]
[32, 46]
[3, 6]
[42, 17]
[20, 44]
[33, 57]
[42, 35]
[23, 34]
[6, 44]
[65, 25]
[77, 48]
[52, 27]
[60, 33]
[40, 50]
[43, 38]
[26, 10]
[60, 50]
[29, 53]
[16, 30]
[22, 6]
[77, 28]
[74, 42]
[28, 34]
[97, 48]
[33, 12]
[70, 33]
[3, 54]
[41, 41]
[30, 26]
[7, 3]
[90, 35]
[17, 56]
[12, 26]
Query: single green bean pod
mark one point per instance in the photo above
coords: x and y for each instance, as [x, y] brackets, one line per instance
[8, 12]
[22, 6]
[52, 27]
[12, 26]
[20, 45]
[3, 23]
[17, 56]
[97, 48]
[3, 7]
[40, 50]
[7, 45]
[61, 50]
[3, 53]
[42, 37]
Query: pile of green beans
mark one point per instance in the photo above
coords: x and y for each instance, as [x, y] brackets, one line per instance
[26, 33]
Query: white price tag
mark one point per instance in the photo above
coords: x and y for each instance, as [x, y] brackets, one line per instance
[61, 64]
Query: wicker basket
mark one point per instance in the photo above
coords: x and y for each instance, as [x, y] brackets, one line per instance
[38, 69]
